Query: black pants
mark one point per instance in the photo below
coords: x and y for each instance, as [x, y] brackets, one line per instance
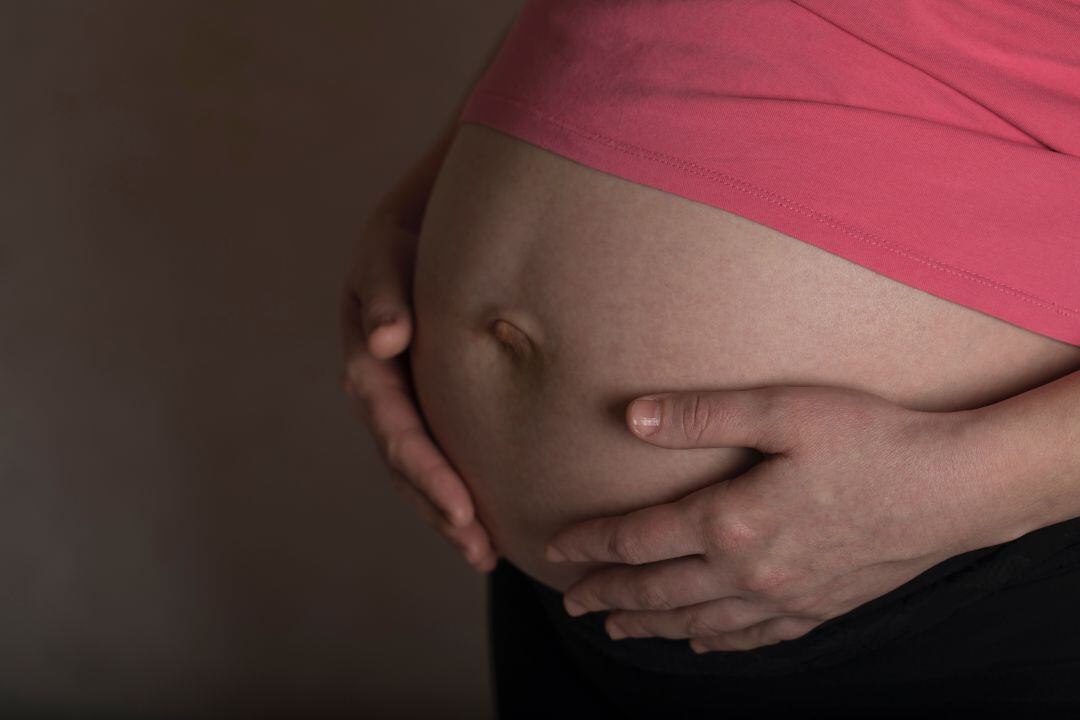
[995, 630]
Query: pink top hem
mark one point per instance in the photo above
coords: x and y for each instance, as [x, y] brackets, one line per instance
[951, 199]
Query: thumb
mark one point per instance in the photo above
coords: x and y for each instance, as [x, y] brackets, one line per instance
[378, 293]
[755, 418]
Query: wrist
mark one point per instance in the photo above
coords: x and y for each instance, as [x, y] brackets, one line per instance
[992, 505]
[1024, 455]
[967, 501]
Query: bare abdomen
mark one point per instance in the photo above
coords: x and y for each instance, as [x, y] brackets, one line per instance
[548, 295]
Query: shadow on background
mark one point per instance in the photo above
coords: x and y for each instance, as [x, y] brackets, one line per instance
[191, 523]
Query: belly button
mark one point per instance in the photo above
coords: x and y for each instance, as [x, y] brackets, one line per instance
[513, 339]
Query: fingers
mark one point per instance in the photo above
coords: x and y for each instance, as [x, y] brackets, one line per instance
[649, 535]
[376, 303]
[472, 540]
[384, 399]
[381, 327]
[376, 325]
[758, 418]
[708, 619]
[769, 632]
[375, 310]
[656, 586]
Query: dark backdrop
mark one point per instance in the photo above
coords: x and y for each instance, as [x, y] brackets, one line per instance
[191, 523]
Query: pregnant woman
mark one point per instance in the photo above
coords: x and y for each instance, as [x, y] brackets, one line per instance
[838, 244]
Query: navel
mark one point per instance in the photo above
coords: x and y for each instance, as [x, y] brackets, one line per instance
[515, 341]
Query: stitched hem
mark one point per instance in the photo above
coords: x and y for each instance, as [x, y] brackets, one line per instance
[686, 167]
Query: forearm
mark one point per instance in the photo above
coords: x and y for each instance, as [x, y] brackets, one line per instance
[406, 201]
[1030, 445]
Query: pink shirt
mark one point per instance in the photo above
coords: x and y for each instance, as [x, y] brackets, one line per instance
[936, 143]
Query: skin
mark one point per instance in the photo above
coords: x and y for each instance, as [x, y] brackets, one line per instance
[376, 328]
[825, 524]
[832, 454]
[763, 556]
[376, 324]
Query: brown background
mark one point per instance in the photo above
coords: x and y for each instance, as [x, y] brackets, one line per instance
[191, 523]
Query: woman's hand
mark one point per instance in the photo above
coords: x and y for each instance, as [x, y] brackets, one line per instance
[856, 496]
[376, 328]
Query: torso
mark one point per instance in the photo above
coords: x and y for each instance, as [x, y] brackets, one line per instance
[548, 295]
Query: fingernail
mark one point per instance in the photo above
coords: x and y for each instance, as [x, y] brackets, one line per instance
[554, 554]
[386, 318]
[573, 608]
[698, 647]
[645, 416]
[615, 632]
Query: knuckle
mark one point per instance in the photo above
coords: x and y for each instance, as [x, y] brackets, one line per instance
[396, 449]
[625, 547]
[700, 625]
[728, 536]
[763, 579]
[653, 597]
[696, 415]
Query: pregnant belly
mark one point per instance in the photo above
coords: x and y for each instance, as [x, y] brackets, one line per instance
[548, 295]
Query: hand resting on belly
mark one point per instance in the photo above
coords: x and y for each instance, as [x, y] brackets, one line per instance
[548, 295]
